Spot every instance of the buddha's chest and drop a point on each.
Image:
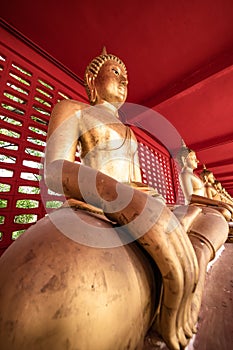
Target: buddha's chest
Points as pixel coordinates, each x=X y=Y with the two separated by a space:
x=106 y=134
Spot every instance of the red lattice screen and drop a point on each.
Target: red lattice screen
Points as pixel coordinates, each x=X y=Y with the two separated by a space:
x=29 y=88
x=27 y=95
x=158 y=168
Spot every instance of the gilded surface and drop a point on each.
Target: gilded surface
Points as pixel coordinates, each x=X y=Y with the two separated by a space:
x=71 y=295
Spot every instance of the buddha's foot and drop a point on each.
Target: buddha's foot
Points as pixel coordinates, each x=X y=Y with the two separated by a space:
x=173 y=337
x=182 y=338
x=188 y=318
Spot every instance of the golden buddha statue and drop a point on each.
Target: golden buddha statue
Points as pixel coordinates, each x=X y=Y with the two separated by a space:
x=79 y=291
x=212 y=192
x=109 y=146
x=208 y=178
x=218 y=187
x=205 y=220
x=190 y=183
x=197 y=188
x=214 y=189
x=227 y=196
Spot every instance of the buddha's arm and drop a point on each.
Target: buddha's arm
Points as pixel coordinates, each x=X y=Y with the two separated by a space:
x=210 y=202
x=63 y=133
x=187 y=186
x=137 y=171
x=210 y=191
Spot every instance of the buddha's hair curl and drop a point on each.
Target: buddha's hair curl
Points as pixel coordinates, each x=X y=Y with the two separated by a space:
x=95 y=65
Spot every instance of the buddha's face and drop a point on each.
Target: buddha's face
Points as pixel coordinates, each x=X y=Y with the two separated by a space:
x=191 y=160
x=111 y=83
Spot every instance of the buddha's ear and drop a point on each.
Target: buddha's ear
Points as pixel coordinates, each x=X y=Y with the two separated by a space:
x=183 y=159
x=90 y=81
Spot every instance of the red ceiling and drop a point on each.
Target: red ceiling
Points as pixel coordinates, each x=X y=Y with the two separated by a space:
x=179 y=55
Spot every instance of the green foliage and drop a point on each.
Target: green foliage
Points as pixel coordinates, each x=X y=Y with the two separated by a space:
x=3 y=203
x=4 y=187
x=17 y=233
x=25 y=218
x=27 y=203
x=29 y=189
x=53 y=204
x=9 y=133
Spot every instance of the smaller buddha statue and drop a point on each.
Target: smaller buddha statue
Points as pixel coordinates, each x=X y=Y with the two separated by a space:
x=189 y=181
x=199 y=190
x=225 y=205
x=218 y=187
x=201 y=217
x=227 y=195
x=208 y=178
x=224 y=197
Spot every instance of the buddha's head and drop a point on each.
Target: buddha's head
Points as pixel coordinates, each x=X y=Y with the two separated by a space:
x=187 y=157
x=207 y=175
x=106 y=80
x=218 y=185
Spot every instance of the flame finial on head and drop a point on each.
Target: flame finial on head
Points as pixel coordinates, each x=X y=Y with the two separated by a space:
x=183 y=143
x=104 y=51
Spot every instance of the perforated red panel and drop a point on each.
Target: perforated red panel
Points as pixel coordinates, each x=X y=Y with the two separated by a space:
x=27 y=95
x=157 y=167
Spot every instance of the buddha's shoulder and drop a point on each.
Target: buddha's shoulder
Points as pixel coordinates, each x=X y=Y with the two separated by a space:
x=185 y=173
x=69 y=105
